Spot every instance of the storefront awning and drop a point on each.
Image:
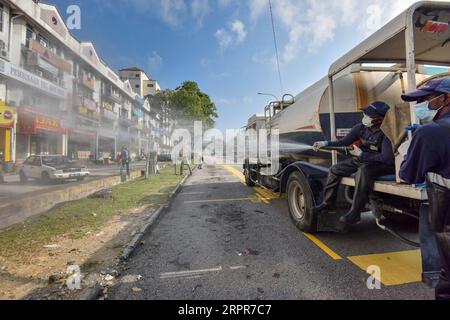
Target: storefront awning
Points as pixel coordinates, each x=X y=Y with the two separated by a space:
x=126 y=122
x=78 y=132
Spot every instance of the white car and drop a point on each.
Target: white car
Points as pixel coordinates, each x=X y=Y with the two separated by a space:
x=51 y=168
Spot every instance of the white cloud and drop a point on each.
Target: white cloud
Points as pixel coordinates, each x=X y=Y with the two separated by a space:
x=174 y=13
x=238 y=28
x=224 y=38
x=257 y=7
x=311 y=24
x=235 y=33
x=200 y=9
x=154 y=61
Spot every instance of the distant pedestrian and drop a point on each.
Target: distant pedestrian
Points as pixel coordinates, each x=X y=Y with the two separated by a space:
x=200 y=164
x=185 y=162
x=125 y=160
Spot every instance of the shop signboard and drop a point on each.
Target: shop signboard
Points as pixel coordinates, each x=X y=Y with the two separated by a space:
x=30 y=122
x=90 y=105
x=7 y=116
x=30 y=79
x=108 y=106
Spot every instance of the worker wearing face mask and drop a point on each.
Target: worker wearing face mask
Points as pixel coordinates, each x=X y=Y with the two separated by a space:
x=372 y=159
x=428 y=160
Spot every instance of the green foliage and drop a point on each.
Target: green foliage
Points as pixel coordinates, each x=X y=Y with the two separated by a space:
x=187 y=102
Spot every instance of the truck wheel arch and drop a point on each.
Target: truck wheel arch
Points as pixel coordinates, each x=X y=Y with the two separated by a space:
x=312 y=173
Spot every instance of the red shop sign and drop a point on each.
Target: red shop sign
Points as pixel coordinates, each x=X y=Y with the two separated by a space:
x=29 y=122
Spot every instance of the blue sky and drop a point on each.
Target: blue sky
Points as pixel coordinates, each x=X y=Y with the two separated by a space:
x=227 y=45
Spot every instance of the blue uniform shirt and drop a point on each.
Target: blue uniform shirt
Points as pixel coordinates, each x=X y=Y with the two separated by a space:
x=361 y=132
x=429 y=152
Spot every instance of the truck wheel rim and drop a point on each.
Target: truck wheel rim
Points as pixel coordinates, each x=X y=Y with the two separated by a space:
x=297 y=199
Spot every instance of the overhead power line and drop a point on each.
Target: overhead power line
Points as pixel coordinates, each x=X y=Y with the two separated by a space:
x=276 y=47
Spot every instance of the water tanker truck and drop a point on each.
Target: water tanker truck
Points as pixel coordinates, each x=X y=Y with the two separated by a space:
x=383 y=67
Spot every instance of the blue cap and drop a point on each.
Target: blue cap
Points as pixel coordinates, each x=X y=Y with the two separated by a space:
x=432 y=87
x=377 y=109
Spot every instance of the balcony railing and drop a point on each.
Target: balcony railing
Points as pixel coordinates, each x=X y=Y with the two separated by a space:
x=50 y=56
x=87 y=82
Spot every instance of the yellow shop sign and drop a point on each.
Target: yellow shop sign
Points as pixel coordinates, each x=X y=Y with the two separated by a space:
x=7 y=116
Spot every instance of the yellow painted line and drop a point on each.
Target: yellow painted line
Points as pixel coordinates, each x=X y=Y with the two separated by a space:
x=263 y=193
x=236 y=172
x=266 y=193
x=323 y=246
x=262 y=199
x=397 y=268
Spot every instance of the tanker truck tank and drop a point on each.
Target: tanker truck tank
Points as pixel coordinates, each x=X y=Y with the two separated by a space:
x=308 y=119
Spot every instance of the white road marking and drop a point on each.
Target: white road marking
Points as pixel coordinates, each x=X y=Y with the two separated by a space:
x=238 y=268
x=180 y=274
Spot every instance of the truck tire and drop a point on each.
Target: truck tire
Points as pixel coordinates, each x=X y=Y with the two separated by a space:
x=248 y=180
x=301 y=203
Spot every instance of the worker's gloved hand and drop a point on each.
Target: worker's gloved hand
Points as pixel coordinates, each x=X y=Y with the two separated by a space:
x=356 y=152
x=319 y=145
x=403 y=149
x=412 y=128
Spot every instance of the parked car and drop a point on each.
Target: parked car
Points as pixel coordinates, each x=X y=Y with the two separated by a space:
x=51 y=168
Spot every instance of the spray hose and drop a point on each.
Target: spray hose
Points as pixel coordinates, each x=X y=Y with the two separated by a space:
x=344 y=150
x=397 y=235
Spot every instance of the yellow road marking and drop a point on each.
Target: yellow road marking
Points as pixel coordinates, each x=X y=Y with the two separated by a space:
x=397 y=268
x=266 y=193
x=262 y=199
x=262 y=193
x=236 y=172
x=323 y=246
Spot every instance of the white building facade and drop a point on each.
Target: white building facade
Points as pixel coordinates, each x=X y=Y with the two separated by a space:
x=57 y=96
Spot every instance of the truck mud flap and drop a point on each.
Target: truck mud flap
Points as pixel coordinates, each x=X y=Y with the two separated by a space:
x=329 y=222
x=431 y=262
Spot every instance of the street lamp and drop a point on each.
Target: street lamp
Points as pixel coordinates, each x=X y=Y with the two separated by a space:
x=268 y=94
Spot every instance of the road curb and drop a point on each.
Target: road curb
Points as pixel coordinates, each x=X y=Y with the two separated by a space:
x=95 y=290
x=134 y=243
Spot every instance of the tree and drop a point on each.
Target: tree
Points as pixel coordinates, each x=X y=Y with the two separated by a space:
x=190 y=103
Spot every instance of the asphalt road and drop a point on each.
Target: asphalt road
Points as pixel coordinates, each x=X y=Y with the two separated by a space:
x=223 y=240
x=13 y=187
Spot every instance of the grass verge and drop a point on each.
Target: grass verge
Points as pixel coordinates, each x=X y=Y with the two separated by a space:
x=79 y=218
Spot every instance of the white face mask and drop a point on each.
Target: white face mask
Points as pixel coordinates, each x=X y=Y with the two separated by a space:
x=424 y=113
x=368 y=121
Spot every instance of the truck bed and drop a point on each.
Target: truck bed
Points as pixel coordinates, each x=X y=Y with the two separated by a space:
x=394 y=188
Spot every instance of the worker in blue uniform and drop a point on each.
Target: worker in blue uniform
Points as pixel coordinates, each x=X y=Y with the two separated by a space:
x=428 y=160
x=372 y=159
